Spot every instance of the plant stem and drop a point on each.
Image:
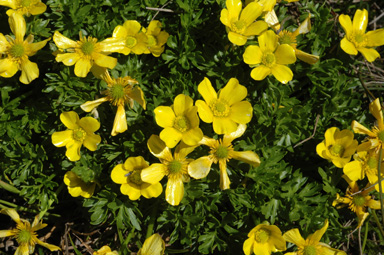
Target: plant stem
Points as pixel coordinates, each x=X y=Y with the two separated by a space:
x=378 y=225
x=152 y=220
x=365 y=236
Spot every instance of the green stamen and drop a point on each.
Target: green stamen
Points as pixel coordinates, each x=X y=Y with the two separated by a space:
x=17 y=50
x=359 y=200
x=337 y=150
x=309 y=250
x=221 y=152
x=87 y=48
x=174 y=167
x=262 y=235
x=130 y=42
x=239 y=26
x=135 y=177
x=79 y=134
x=117 y=91
x=269 y=59
x=24 y=236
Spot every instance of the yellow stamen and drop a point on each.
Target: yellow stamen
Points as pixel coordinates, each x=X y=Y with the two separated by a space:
x=17 y=51
x=262 y=235
x=220 y=108
x=88 y=47
x=337 y=150
x=135 y=177
x=79 y=134
x=181 y=123
x=239 y=26
x=268 y=59
x=130 y=42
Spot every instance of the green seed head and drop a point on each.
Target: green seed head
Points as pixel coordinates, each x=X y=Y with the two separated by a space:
x=175 y=167
x=262 y=235
x=26 y=3
x=337 y=150
x=381 y=136
x=117 y=91
x=24 y=236
x=17 y=50
x=222 y=152
x=358 y=200
x=309 y=250
x=88 y=47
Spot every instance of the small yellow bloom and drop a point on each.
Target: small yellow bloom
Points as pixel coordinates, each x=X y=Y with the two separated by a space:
x=24 y=7
x=240 y=23
x=264 y=239
x=86 y=53
x=225 y=109
x=270 y=58
x=376 y=135
x=222 y=151
x=17 y=50
x=267 y=5
x=153 y=245
x=105 y=250
x=79 y=132
x=156 y=38
x=129 y=176
x=25 y=233
x=356 y=39
x=134 y=38
x=357 y=201
x=311 y=245
x=120 y=91
x=180 y=122
x=77 y=187
x=174 y=167
x=338 y=146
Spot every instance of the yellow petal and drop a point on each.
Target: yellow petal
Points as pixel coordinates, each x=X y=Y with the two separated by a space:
x=12 y=213
x=236 y=38
x=170 y=136
x=61 y=138
x=360 y=21
x=374 y=204
x=268 y=41
x=360 y=129
x=104 y=60
x=5 y=233
x=138 y=95
x=182 y=151
x=253 y=55
x=63 y=42
x=89 y=124
x=369 y=54
x=68 y=59
x=158 y=148
x=285 y=55
x=153 y=190
x=132 y=26
x=346 y=23
x=241 y=112
x=321 y=150
x=134 y=163
x=224 y=125
x=233 y=92
x=200 y=167
x=330 y=136
x=234 y=8
x=354 y=170
x=119 y=32
x=224 y=179
x=304 y=27
x=375 y=38
x=193 y=136
x=51 y=247
x=348 y=46
x=91 y=141
x=82 y=67
x=70 y=119
x=112 y=44
x=132 y=190
x=154 y=245
x=228 y=138
x=9 y=3
x=248 y=246
x=248 y=157
x=181 y=104
x=224 y=17
x=90 y=105
x=8 y=68
x=23 y=249
x=164 y=116
x=154 y=173
x=315 y=237
x=294 y=236
x=282 y=73
x=256 y=28
x=18 y=26
x=73 y=150
x=191 y=115
x=251 y=12
x=307 y=58
x=120 y=122
x=205 y=112
x=38 y=8
x=32 y=48
x=29 y=71
x=174 y=191
x=207 y=91
x=118 y=174
x=376 y=110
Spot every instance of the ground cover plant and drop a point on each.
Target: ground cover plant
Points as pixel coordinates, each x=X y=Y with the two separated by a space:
x=191 y=127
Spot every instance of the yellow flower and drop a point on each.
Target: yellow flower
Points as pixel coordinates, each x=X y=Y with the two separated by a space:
x=376 y=135
x=24 y=7
x=77 y=187
x=311 y=245
x=86 y=53
x=174 y=167
x=356 y=39
x=267 y=5
x=25 y=233
x=121 y=91
x=180 y=122
x=225 y=110
x=153 y=245
x=264 y=239
x=222 y=151
x=156 y=38
x=105 y=250
x=241 y=23
x=357 y=201
x=270 y=58
x=129 y=176
x=135 y=40
x=79 y=132
x=17 y=50
x=338 y=146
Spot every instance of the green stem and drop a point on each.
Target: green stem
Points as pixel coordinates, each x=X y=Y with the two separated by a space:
x=381 y=233
x=152 y=220
x=174 y=251
x=380 y=186
x=9 y=187
x=365 y=236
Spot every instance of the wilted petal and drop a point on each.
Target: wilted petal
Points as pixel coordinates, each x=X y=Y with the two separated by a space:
x=174 y=191
x=248 y=157
x=90 y=105
x=18 y=26
x=29 y=71
x=200 y=167
x=120 y=122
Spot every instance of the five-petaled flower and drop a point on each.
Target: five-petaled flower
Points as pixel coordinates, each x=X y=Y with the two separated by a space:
x=153 y=245
x=78 y=187
x=133 y=37
x=356 y=39
x=129 y=176
x=174 y=167
x=86 y=53
x=225 y=109
x=221 y=152
x=24 y=7
x=264 y=239
x=338 y=146
x=120 y=91
x=240 y=23
x=311 y=245
x=25 y=233
x=17 y=50
x=155 y=38
x=270 y=58
x=180 y=122
x=80 y=132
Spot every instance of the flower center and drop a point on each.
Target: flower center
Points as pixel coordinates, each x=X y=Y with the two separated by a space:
x=262 y=235
x=358 y=200
x=268 y=59
x=24 y=236
x=286 y=37
x=135 y=177
x=220 y=108
x=17 y=50
x=175 y=167
x=309 y=250
x=381 y=136
x=79 y=134
x=372 y=163
x=337 y=150
x=151 y=41
x=222 y=151
x=117 y=91
x=87 y=47
x=181 y=123
x=26 y=3
x=358 y=39
x=239 y=26
x=130 y=42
